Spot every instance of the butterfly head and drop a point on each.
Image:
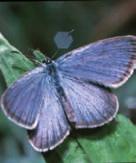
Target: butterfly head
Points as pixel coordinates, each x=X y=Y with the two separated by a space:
x=47 y=60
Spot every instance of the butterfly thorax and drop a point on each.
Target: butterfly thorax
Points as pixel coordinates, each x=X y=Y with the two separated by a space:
x=49 y=66
x=51 y=69
x=53 y=73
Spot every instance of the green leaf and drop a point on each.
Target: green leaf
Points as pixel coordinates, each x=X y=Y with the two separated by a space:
x=114 y=142
x=12 y=62
x=2 y=83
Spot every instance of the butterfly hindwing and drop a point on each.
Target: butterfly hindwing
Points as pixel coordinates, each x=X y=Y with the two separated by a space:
x=108 y=62
x=53 y=126
x=90 y=105
x=22 y=101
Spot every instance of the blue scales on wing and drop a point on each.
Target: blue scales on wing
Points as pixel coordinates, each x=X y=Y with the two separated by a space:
x=109 y=62
x=90 y=105
x=22 y=101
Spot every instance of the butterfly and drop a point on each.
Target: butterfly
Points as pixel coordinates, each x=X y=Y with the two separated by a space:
x=71 y=91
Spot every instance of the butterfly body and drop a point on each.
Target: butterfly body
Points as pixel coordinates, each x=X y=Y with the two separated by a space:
x=70 y=90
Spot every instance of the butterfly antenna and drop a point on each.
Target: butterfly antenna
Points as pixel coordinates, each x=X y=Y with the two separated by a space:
x=36 y=61
x=37 y=56
x=56 y=52
x=71 y=31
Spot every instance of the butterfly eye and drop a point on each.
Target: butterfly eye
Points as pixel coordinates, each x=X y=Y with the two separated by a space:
x=47 y=60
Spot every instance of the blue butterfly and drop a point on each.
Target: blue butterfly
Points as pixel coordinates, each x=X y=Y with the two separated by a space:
x=70 y=91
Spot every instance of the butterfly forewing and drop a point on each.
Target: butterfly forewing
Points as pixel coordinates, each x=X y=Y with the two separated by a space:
x=108 y=62
x=91 y=105
x=22 y=101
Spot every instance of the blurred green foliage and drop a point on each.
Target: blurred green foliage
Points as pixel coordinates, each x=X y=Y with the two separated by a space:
x=33 y=25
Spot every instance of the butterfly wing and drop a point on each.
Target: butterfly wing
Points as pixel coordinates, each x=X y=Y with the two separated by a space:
x=88 y=105
x=33 y=102
x=22 y=101
x=108 y=62
x=52 y=127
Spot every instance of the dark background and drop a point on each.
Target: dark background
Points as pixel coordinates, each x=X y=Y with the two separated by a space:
x=34 y=25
